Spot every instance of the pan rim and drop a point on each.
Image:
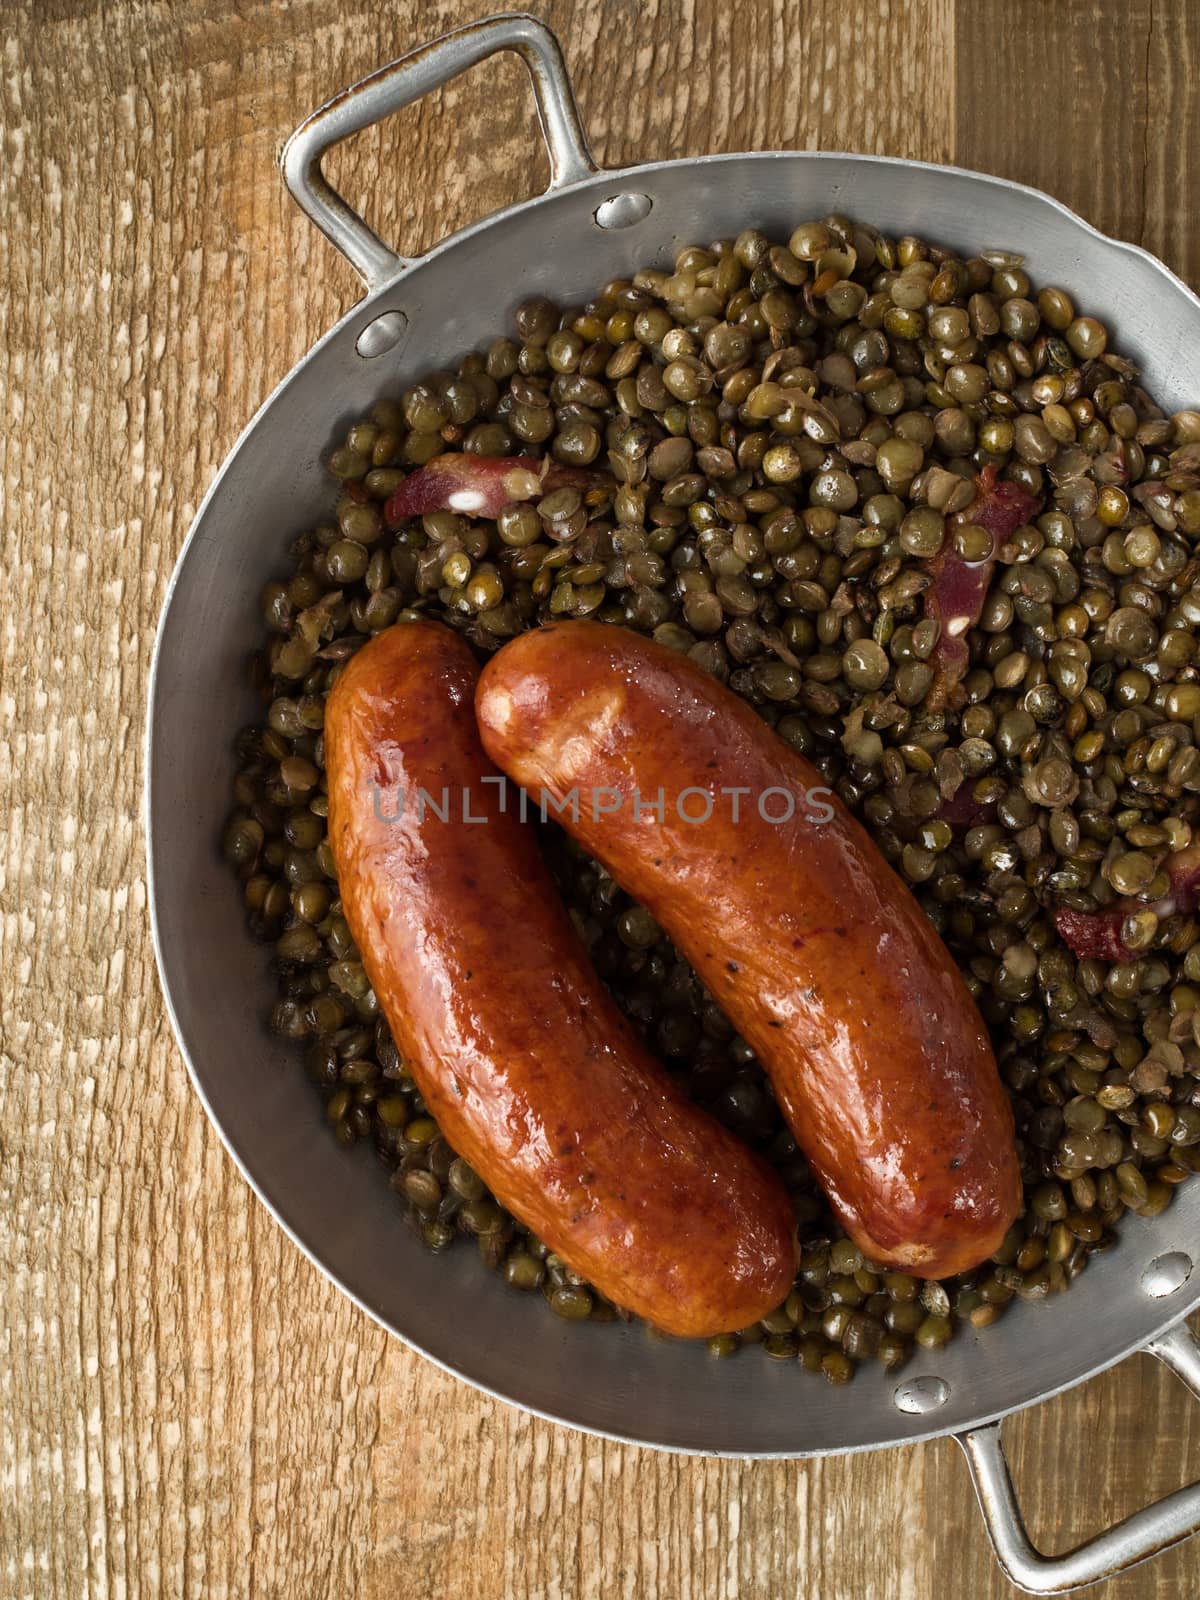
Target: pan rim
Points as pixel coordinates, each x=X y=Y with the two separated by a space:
x=360 y=313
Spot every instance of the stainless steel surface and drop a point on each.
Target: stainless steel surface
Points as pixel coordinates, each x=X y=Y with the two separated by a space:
x=586 y=229
x=409 y=79
x=1147 y=1533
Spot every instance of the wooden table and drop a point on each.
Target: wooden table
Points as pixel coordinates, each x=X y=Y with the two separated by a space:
x=186 y=1406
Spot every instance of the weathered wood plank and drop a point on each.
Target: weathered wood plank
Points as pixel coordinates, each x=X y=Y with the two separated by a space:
x=185 y=1405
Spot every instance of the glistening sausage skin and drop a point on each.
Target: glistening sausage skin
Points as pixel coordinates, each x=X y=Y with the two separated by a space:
x=805 y=937
x=521 y=1055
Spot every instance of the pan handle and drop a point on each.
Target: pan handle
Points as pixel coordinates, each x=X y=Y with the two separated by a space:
x=406 y=80
x=1147 y=1533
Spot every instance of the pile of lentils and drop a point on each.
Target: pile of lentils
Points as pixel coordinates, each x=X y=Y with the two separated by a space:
x=781 y=433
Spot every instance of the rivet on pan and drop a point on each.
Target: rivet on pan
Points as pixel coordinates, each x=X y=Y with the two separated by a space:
x=1167 y=1273
x=622 y=210
x=919 y=1395
x=382 y=335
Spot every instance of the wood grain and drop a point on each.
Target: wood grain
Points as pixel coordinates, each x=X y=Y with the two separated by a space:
x=186 y=1407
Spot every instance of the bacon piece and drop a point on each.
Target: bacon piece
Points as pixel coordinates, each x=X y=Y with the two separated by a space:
x=480 y=486
x=1096 y=935
x=960 y=587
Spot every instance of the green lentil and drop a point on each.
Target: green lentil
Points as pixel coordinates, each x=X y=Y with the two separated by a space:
x=781 y=439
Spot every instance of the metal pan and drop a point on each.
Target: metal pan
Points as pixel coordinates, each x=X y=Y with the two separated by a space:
x=591 y=225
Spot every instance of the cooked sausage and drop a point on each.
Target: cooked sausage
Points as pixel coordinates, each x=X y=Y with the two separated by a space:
x=804 y=936
x=520 y=1053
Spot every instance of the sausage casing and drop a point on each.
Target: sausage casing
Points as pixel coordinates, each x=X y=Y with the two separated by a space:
x=804 y=936
x=533 y=1074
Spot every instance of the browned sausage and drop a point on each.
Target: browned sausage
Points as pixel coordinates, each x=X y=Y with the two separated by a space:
x=810 y=943
x=531 y=1071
